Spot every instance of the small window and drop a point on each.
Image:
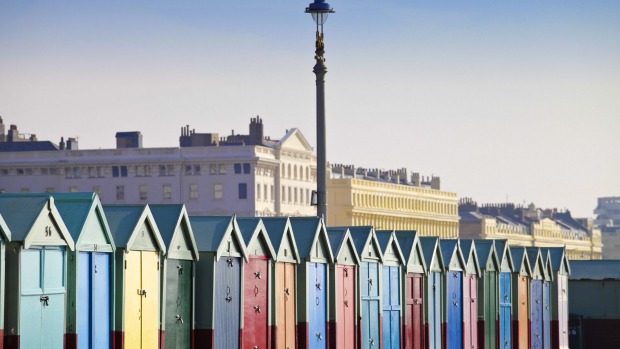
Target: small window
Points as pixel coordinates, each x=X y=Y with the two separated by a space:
x=139 y=171
x=4 y=172
x=73 y=189
x=246 y=168
x=213 y=169
x=20 y=171
x=170 y=170
x=25 y=190
x=167 y=192
x=120 y=192
x=197 y=170
x=188 y=170
x=237 y=168
x=243 y=190
x=221 y=169
x=218 y=191
x=147 y=170
x=123 y=171
x=258 y=191
x=144 y=192
x=68 y=172
x=115 y=171
x=162 y=170
x=92 y=171
x=28 y=172
x=193 y=191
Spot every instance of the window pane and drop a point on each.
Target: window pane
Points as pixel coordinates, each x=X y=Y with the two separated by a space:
x=115 y=171
x=218 y=191
x=120 y=192
x=144 y=192
x=243 y=191
x=221 y=168
x=167 y=192
x=123 y=171
x=237 y=168
x=213 y=169
x=246 y=168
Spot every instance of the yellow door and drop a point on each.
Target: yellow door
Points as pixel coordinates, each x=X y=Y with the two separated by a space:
x=150 y=301
x=133 y=300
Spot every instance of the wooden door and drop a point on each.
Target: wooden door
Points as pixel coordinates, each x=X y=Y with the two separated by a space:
x=454 y=292
x=227 y=303
x=285 y=306
x=505 y=310
x=317 y=305
x=370 y=305
x=256 y=306
x=536 y=321
x=563 y=311
x=42 y=301
x=345 y=302
x=470 y=312
x=142 y=300
x=521 y=338
x=414 y=312
x=391 y=307
x=94 y=300
x=546 y=314
x=488 y=296
x=433 y=338
x=178 y=303
x=150 y=301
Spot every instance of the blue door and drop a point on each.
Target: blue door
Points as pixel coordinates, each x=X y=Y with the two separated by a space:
x=434 y=310
x=370 y=305
x=42 y=298
x=536 y=314
x=227 y=303
x=454 y=323
x=317 y=305
x=93 y=300
x=546 y=315
x=391 y=307
x=505 y=309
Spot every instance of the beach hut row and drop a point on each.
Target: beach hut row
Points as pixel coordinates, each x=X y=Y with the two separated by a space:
x=79 y=274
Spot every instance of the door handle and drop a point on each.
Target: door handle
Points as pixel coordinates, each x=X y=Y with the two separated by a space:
x=318 y=335
x=180 y=269
x=45 y=300
x=179 y=318
x=257 y=308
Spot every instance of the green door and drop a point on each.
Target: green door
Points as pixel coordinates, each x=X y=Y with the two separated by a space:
x=42 y=298
x=178 y=303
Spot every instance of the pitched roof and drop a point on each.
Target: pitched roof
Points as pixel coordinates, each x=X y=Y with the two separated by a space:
x=5 y=232
x=168 y=217
x=27 y=146
x=210 y=231
x=250 y=228
x=468 y=248
x=75 y=209
x=520 y=259
x=21 y=212
x=337 y=240
x=449 y=249
x=307 y=231
x=123 y=221
x=558 y=256
x=387 y=238
x=407 y=239
x=430 y=248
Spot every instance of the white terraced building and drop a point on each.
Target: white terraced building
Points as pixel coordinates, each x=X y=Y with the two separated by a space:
x=247 y=175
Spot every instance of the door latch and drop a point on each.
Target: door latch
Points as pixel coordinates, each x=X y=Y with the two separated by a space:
x=180 y=269
x=142 y=293
x=257 y=308
x=45 y=300
x=318 y=335
x=179 y=318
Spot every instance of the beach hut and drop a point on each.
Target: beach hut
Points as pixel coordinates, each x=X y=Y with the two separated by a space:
x=488 y=297
x=470 y=293
x=504 y=325
x=36 y=269
x=547 y=280
x=284 y=283
x=256 y=330
x=5 y=237
x=177 y=287
x=536 y=297
x=367 y=247
x=89 y=271
x=520 y=298
x=393 y=260
x=312 y=281
x=434 y=288
x=559 y=297
x=413 y=295
x=139 y=248
x=219 y=273
x=343 y=293
x=454 y=268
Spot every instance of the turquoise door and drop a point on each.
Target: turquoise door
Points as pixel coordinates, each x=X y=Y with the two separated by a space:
x=42 y=310
x=391 y=307
x=370 y=305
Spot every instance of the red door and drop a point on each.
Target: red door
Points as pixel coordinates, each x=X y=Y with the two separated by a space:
x=255 y=323
x=414 y=315
x=345 y=302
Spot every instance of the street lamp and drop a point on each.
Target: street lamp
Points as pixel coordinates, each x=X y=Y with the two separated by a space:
x=319 y=10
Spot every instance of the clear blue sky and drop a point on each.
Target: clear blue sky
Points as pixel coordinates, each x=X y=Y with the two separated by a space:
x=516 y=100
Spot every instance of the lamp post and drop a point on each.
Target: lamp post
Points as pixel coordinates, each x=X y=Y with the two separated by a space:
x=319 y=10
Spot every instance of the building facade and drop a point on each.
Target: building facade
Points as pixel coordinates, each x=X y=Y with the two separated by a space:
x=530 y=226
x=390 y=200
x=247 y=175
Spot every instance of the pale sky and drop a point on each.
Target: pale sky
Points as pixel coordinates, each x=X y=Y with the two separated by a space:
x=514 y=100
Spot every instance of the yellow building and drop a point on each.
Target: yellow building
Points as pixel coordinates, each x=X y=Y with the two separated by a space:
x=390 y=200
x=530 y=226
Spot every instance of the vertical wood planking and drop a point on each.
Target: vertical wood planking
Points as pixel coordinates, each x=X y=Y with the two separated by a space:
x=101 y=298
x=227 y=303
x=454 y=306
x=150 y=300
x=505 y=310
x=255 y=309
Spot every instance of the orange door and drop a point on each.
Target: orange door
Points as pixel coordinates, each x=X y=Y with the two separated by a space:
x=285 y=306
